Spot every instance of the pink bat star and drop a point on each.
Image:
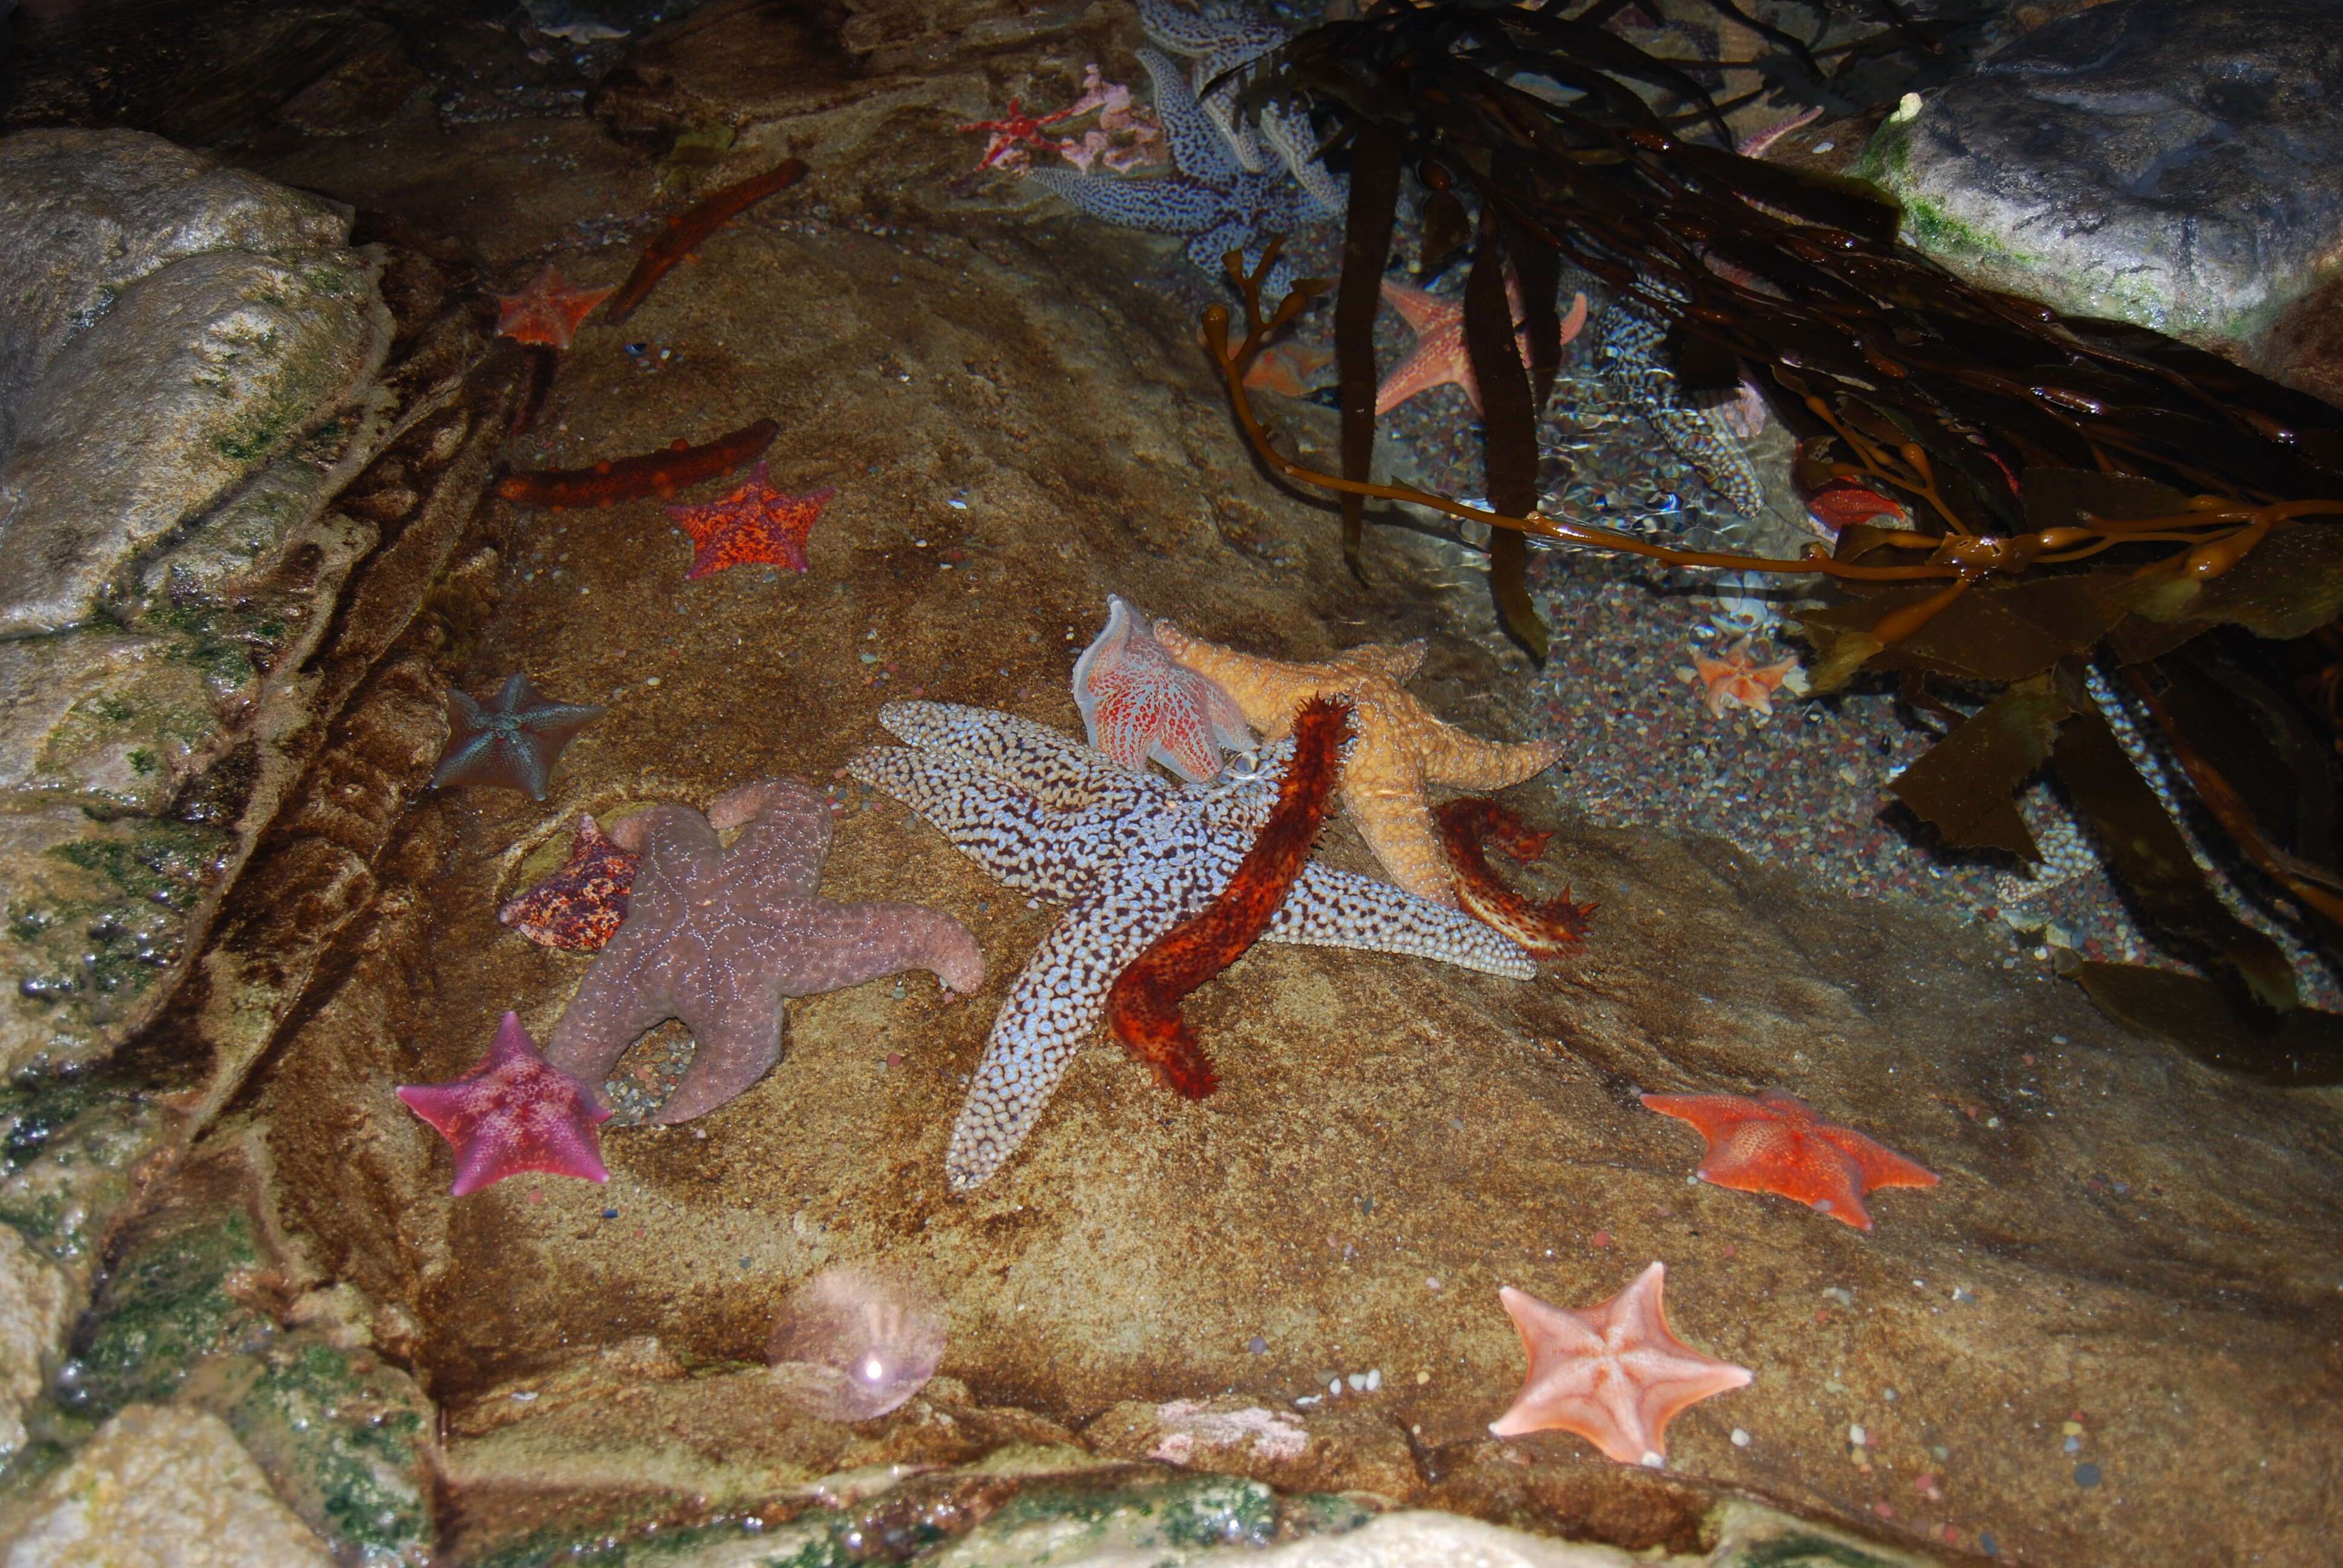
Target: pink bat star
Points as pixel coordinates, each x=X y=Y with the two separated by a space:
x=515 y=1111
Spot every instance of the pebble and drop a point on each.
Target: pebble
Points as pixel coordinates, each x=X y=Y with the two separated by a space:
x=1740 y=1438
x=1257 y=1345
x=2087 y=1474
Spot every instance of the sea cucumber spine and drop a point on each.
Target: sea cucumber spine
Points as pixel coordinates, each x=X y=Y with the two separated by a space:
x=660 y=474
x=691 y=225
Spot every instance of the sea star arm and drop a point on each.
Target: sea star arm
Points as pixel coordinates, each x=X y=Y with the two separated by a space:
x=1465 y=762
x=1331 y=908
x=786 y=836
x=634 y=983
x=1051 y=1007
x=997 y=824
x=1056 y=771
x=1197 y=146
x=1165 y=206
x=849 y=943
x=737 y=1025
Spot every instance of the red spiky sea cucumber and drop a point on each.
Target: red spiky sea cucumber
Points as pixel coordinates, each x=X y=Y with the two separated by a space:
x=1548 y=929
x=690 y=226
x=660 y=474
x=1144 y=1007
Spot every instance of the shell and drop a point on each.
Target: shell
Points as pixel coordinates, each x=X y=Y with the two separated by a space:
x=854 y=1343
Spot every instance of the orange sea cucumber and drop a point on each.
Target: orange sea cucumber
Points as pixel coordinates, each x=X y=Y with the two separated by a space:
x=660 y=474
x=1548 y=929
x=1144 y=1007
x=690 y=226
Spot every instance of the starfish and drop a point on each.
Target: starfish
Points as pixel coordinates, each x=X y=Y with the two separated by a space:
x=514 y=1111
x=1223 y=42
x=717 y=937
x=578 y=907
x=1843 y=503
x=1736 y=680
x=1440 y=357
x=1614 y=1374
x=1218 y=205
x=1138 y=703
x=545 y=314
x=1401 y=749
x=754 y=523
x=1132 y=856
x=1774 y=1144
x=512 y=741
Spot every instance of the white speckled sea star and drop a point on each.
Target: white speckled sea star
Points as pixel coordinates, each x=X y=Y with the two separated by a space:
x=1132 y=855
x=1224 y=40
x=1207 y=196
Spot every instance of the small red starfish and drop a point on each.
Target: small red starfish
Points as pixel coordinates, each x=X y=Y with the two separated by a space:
x=514 y=1111
x=1774 y=1144
x=547 y=313
x=754 y=523
x=1019 y=129
x=1440 y=357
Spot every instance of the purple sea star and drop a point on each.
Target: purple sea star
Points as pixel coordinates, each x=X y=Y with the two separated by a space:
x=578 y=907
x=513 y=1112
x=717 y=937
x=754 y=523
x=1140 y=703
x=512 y=740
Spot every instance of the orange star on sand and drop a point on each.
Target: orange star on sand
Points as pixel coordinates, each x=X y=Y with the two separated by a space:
x=1440 y=357
x=1737 y=681
x=754 y=523
x=545 y=314
x=1614 y=1374
x=1774 y=1144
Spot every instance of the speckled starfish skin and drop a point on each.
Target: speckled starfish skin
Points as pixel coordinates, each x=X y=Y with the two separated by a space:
x=717 y=936
x=512 y=740
x=1402 y=748
x=1208 y=197
x=1131 y=855
x=1221 y=39
x=1137 y=703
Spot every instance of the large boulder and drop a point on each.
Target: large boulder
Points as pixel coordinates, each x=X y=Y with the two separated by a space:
x=2164 y=162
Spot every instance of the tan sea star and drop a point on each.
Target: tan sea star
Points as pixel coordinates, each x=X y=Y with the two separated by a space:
x=1400 y=750
x=1736 y=680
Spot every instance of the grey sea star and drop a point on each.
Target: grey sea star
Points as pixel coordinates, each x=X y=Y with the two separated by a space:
x=1224 y=40
x=717 y=936
x=1132 y=855
x=513 y=739
x=1218 y=204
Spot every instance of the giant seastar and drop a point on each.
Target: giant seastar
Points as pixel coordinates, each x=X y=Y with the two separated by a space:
x=1208 y=196
x=1774 y=1144
x=1614 y=1374
x=717 y=936
x=1402 y=748
x=754 y=523
x=513 y=1112
x=512 y=740
x=1137 y=703
x=547 y=313
x=1223 y=41
x=1132 y=855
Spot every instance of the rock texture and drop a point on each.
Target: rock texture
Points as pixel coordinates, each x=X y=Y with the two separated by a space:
x=2166 y=161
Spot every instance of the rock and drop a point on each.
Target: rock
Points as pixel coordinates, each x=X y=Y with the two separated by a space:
x=2164 y=162
x=33 y=1318
x=162 y=1488
x=1325 y=1450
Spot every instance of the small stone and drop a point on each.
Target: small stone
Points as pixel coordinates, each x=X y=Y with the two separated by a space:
x=2087 y=1474
x=1740 y=1438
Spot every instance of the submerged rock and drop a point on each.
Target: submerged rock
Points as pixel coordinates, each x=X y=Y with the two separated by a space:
x=2166 y=161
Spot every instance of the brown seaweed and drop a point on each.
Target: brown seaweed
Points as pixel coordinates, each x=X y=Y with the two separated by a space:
x=687 y=228
x=660 y=473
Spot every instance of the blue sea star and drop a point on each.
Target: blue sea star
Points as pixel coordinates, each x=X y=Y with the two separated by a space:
x=512 y=740
x=1132 y=855
x=1219 y=204
x=1223 y=40
x=717 y=936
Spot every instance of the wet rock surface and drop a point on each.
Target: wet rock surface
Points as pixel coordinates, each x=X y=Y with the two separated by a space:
x=1171 y=1328
x=2159 y=161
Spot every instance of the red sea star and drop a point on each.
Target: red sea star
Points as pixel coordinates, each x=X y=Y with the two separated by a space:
x=1440 y=357
x=515 y=1111
x=1614 y=1374
x=547 y=313
x=1136 y=702
x=754 y=523
x=578 y=907
x=1774 y=1144
x=1737 y=681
